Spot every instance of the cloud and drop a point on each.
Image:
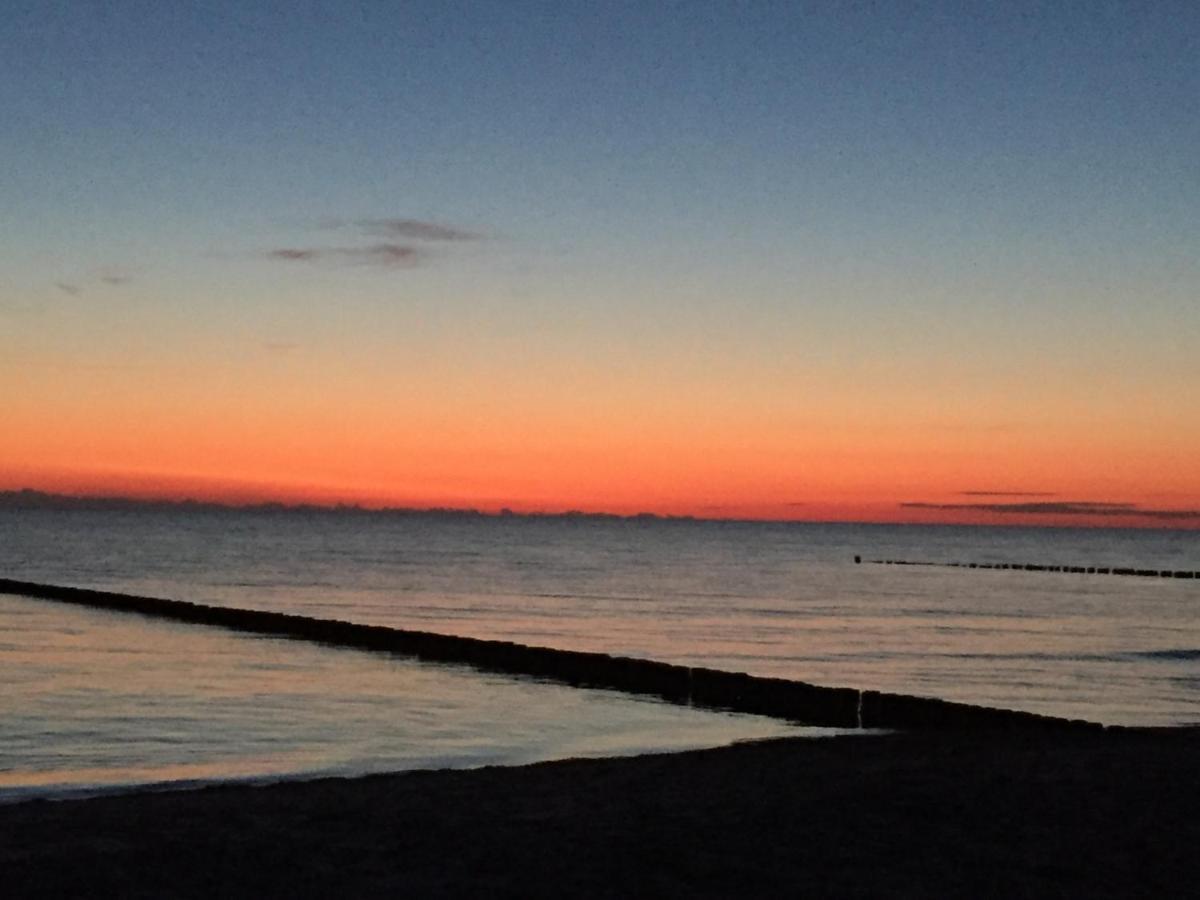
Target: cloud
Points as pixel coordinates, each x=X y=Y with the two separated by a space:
x=111 y=277
x=387 y=255
x=1062 y=508
x=400 y=245
x=290 y=254
x=417 y=230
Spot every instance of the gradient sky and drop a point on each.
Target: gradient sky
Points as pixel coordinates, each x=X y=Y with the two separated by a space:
x=785 y=260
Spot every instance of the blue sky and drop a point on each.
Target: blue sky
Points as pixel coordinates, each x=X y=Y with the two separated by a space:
x=621 y=124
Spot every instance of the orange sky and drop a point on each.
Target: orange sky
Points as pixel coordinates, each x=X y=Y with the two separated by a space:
x=714 y=450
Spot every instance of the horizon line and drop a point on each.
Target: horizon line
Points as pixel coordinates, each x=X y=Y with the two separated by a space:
x=35 y=498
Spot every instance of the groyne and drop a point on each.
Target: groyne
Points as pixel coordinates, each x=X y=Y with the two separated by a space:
x=780 y=698
x=1035 y=567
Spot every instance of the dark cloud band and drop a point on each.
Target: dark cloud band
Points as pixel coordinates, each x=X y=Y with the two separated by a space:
x=1061 y=508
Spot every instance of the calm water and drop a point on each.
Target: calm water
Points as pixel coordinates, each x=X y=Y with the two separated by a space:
x=96 y=700
x=770 y=599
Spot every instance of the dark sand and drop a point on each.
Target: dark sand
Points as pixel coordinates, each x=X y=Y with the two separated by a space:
x=933 y=814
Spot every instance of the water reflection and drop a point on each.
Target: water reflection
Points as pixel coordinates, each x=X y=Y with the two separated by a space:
x=770 y=599
x=95 y=698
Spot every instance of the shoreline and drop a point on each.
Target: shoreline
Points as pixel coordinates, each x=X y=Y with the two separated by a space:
x=65 y=792
x=911 y=814
x=72 y=793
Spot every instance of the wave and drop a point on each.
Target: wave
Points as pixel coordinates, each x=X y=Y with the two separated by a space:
x=1180 y=655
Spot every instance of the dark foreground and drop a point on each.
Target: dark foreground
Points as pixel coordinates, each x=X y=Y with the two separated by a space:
x=1109 y=814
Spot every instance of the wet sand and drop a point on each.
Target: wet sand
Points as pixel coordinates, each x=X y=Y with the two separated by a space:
x=930 y=814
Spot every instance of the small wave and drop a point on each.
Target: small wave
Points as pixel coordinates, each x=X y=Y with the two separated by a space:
x=1181 y=655
x=1033 y=656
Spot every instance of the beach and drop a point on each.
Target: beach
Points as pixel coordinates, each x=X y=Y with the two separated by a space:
x=1081 y=813
x=992 y=794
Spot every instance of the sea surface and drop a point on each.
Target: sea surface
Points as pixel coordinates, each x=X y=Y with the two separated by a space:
x=96 y=698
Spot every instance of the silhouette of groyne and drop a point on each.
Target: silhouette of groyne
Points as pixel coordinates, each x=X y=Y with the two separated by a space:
x=1033 y=567
x=794 y=701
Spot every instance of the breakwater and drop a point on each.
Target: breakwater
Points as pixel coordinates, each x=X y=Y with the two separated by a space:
x=1034 y=567
x=696 y=686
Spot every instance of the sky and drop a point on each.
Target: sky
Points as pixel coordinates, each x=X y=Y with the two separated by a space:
x=893 y=262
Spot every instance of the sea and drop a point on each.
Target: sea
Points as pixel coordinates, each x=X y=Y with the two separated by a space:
x=98 y=701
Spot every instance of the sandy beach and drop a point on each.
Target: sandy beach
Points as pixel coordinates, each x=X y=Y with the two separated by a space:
x=1082 y=814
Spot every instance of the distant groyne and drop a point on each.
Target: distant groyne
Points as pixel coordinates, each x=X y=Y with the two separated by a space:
x=780 y=698
x=1035 y=567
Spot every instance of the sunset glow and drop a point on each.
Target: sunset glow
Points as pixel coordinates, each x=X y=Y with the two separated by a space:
x=713 y=271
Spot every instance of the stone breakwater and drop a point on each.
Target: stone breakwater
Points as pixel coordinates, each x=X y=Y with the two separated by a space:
x=794 y=701
x=1033 y=567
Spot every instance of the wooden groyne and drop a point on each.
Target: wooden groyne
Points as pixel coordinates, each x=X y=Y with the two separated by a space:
x=794 y=701
x=1034 y=567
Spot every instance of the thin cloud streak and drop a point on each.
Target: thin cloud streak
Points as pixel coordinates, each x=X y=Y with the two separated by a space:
x=395 y=251
x=111 y=277
x=1061 y=508
x=417 y=230
x=386 y=255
